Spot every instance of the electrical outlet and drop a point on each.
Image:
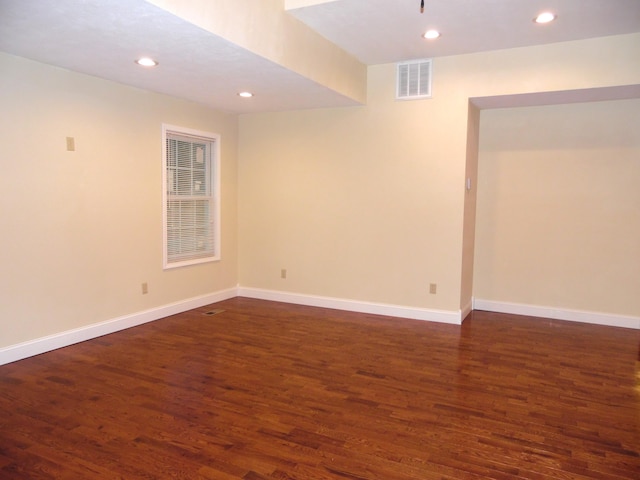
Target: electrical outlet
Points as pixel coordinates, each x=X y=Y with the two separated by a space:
x=283 y=273
x=71 y=144
x=433 y=288
x=145 y=288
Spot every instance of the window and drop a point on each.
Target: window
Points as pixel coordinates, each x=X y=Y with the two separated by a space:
x=191 y=199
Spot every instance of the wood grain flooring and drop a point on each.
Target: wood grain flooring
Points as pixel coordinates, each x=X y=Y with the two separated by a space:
x=265 y=390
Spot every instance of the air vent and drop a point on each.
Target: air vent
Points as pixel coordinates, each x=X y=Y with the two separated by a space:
x=414 y=80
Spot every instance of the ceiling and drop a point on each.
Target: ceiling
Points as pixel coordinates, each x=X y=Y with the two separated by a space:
x=102 y=38
x=387 y=31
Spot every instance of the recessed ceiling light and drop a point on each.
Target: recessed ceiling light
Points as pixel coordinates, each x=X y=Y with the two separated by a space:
x=146 y=62
x=246 y=94
x=545 y=17
x=431 y=34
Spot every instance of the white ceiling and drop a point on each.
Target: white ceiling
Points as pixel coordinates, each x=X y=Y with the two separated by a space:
x=102 y=38
x=387 y=31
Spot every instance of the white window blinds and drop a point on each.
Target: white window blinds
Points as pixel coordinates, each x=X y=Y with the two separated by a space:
x=190 y=202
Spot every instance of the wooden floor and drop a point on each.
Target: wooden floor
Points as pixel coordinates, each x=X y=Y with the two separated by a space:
x=266 y=390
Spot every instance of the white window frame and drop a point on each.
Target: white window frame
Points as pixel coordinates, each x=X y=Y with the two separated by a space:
x=213 y=196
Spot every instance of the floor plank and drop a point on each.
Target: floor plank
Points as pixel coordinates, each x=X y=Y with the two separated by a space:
x=265 y=390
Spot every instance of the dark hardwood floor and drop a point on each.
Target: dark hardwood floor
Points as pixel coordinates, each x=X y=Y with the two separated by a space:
x=266 y=390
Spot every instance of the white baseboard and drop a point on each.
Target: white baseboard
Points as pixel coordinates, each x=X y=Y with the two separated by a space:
x=466 y=310
x=37 y=346
x=443 y=316
x=607 y=319
x=19 y=351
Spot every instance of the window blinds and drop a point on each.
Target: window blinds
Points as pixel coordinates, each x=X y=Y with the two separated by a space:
x=189 y=199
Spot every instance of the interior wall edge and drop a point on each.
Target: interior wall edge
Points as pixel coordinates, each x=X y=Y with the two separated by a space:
x=466 y=310
x=555 y=313
x=558 y=97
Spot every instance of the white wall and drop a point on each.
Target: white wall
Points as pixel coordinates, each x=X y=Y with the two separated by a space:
x=82 y=230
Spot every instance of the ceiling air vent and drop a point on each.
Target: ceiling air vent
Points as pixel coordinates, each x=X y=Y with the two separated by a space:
x=414 y=80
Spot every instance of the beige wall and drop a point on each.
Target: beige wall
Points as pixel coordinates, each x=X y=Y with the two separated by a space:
x=82 y=230
x=558 y=220
x=356 y=203
x=364 y=203
x=367 y=203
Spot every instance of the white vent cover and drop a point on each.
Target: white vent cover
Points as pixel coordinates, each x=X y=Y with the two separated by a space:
x=414 y=80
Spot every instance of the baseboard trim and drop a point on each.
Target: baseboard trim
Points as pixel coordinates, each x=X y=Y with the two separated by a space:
x=30 y=348
x=37 y=346
x=466 y=310
x=598 y=318
x=442 y=316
